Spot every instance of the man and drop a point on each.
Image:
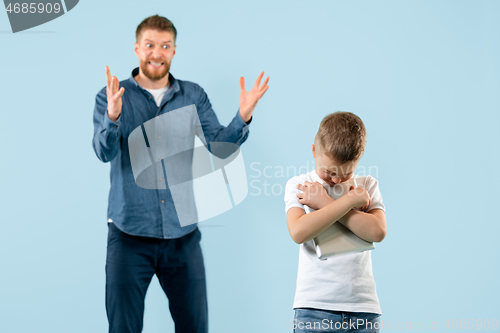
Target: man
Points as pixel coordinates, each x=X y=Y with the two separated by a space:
x=144 y=235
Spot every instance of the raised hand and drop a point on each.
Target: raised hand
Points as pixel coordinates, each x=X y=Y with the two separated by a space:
x=114 y=96
x=249 y=99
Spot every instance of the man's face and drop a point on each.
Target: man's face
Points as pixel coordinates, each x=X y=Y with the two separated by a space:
x=330 y=171
x=155 y=51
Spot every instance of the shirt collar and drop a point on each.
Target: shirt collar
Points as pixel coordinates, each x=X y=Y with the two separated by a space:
x=316 y=178
x=173 y=82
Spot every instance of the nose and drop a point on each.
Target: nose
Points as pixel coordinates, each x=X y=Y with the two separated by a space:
x=155 y=53
x=335 y=179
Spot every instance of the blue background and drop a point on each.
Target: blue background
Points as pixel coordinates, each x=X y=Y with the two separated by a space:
x=423 y=76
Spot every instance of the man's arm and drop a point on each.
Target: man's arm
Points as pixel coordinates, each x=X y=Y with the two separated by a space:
x=107 y=119
x=371 y=226
x=304 y=227
x=106 y=132
x=236 y=132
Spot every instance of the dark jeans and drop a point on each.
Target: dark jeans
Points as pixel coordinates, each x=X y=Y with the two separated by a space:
x=131 y=262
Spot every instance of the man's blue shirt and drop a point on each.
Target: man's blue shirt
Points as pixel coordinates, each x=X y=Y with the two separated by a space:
x=133 y=209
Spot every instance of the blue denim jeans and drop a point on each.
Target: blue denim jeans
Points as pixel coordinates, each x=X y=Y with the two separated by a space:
x=131 y=262
x=316 y=320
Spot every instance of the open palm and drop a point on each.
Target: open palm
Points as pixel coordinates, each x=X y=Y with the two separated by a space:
x=249 y=99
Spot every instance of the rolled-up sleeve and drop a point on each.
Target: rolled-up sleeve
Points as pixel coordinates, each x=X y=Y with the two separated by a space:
x=106 y=132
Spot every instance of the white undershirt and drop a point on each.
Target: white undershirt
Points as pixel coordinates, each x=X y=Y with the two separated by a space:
x=158 y=93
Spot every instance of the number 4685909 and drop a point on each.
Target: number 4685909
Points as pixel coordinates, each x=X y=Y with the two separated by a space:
x=471 y=324
x=33 y=7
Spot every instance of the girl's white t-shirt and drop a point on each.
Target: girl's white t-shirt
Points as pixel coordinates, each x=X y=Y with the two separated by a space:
x=340 y=283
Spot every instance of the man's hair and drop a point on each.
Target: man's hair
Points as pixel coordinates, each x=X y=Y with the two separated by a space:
x=156 y=22
x=341 y=137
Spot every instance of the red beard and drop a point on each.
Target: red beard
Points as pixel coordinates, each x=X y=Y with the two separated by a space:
x=152 y=73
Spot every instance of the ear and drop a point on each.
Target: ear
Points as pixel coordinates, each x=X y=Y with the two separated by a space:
x=136 y=48
x=314 y=151
x=175 y=46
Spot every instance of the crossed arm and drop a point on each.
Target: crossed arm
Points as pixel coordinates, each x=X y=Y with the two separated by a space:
x=370 y=226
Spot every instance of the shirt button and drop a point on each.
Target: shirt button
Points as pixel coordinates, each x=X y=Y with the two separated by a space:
x=149 y=97
x=158 y=137
x=159 y=158
x=116 y=126
x=162 y=201
x=161 y=178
